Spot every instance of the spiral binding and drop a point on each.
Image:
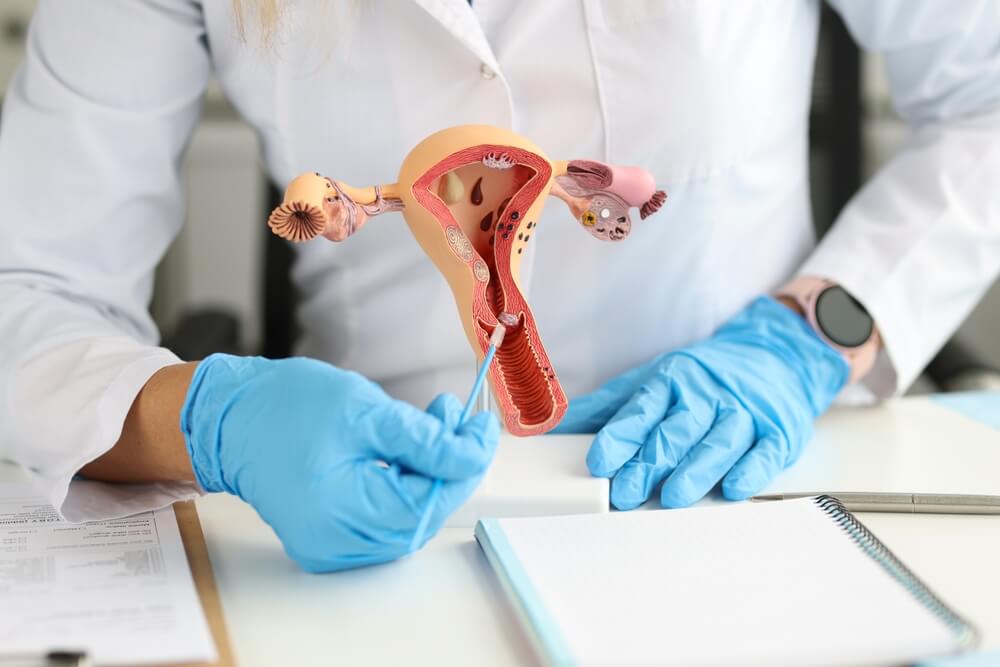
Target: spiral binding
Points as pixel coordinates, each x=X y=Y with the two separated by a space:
x=965 y=633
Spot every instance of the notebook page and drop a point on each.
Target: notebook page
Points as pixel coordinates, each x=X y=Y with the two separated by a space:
x=750 y=584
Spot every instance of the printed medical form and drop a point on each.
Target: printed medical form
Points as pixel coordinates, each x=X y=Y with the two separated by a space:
x=119 y=589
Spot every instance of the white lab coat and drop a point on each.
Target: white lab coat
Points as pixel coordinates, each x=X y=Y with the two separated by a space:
x=711 y=96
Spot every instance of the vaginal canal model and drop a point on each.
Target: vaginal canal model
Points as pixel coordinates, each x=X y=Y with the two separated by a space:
x=472 y=196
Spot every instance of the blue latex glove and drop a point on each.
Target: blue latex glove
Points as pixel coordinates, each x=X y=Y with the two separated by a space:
x=738 y=407
x=339 y=470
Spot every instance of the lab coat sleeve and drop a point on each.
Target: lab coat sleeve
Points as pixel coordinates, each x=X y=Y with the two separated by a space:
x=920 y=243
x=94 y=125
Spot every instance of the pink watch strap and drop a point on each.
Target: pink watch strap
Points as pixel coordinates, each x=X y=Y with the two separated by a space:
x=805 y=291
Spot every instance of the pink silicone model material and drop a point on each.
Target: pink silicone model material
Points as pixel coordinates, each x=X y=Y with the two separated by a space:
x=472 y=196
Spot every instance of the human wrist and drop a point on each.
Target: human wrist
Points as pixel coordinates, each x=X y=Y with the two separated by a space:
x=785 y=343
x=791 y=304
x=150 y=447
x=214 y=384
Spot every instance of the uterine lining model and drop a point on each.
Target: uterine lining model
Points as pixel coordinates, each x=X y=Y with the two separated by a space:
x=472 y=196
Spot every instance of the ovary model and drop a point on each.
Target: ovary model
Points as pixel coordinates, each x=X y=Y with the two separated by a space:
x=472 y=196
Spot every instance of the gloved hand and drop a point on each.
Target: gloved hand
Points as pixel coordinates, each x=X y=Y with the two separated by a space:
x=737 y=406
x=340 y=470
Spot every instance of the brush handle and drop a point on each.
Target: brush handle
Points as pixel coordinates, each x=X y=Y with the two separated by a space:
x=418 y=534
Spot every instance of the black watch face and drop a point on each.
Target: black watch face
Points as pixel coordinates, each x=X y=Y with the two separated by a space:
x=842 y=319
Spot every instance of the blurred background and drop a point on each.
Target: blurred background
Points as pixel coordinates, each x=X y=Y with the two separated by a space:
x=221 y=288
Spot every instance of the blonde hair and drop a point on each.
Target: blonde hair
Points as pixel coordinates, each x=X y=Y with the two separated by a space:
x=266 y=14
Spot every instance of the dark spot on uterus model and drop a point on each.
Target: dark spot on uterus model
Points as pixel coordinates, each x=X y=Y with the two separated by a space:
x=477 y=192
x=514 y=215
x=486 y=222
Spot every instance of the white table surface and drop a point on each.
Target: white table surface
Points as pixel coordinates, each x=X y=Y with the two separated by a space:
x=443 y=606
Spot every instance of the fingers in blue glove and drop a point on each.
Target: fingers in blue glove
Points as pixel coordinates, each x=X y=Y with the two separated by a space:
x=756 y=468
x=450 y=496
x=706 y=463
x=630 y=427
x=590 y=412
x=389 y=491
x=431 y=443
x=388 y=505
x=663 y=450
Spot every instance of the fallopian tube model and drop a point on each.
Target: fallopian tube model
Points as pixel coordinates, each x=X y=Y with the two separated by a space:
x=472 y=196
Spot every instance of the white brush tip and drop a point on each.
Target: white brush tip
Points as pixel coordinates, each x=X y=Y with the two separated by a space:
x=496 y=338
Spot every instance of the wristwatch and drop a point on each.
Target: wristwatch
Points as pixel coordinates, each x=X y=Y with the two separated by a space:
x=838 y=319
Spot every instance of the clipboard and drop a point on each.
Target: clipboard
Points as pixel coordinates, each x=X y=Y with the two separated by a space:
x=196 y=552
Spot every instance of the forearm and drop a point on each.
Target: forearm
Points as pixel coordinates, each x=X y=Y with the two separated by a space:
x=919 y=245
x=70 y=372
x=151 y=447
x=78 y=342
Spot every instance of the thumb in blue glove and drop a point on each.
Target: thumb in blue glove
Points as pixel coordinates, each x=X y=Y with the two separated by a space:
x=339 y=470
x=737 y=407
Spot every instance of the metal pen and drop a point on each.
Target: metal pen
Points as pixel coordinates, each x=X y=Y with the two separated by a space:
x=911 y=503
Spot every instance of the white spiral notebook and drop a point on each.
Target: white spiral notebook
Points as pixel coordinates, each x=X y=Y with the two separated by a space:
x=798 y=582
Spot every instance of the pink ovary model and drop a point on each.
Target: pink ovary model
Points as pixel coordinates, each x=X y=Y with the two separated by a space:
x=601 y=195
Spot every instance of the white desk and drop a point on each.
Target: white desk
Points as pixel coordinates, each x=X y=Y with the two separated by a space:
x=442 y=606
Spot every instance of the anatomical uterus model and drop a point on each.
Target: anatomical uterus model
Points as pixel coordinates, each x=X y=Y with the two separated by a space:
x=472 y=196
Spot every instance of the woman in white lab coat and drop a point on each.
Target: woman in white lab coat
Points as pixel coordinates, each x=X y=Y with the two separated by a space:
x=668 y=342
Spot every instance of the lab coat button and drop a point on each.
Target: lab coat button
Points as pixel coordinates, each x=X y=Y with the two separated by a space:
x=487 y=71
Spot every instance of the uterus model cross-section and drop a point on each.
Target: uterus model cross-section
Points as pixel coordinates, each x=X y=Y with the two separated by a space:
x=472 y=196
